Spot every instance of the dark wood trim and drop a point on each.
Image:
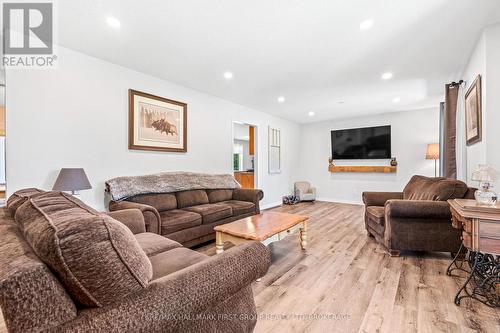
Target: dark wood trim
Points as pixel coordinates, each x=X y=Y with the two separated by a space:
x=478 y=137
x=131 y=145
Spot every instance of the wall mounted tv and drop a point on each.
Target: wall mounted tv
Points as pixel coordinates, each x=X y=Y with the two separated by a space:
x=361 y=143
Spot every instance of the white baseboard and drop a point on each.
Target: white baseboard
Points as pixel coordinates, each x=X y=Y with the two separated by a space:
x=352 y=202
x=271 y=205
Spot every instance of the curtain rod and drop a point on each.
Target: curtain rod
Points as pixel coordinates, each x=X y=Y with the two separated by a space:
x=453 y=83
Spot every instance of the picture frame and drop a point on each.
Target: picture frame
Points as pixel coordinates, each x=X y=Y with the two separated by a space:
x=156 y=123
x=473 y=113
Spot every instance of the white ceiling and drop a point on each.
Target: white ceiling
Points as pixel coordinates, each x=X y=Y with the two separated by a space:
x=311 y=52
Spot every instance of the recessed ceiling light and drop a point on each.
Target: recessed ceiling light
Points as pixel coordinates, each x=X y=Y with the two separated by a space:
x=281 y=99
x=366 y=24
x=228 y=75
x=396 y=100
x=113 y=22
x=311 y=113
x=387 y=76
x=340 y=102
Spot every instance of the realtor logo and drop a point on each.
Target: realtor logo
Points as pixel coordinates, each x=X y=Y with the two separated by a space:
x=28 y=29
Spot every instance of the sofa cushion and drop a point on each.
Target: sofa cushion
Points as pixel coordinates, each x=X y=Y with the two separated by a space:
x=376 y=213
x=191 y=198
x=20 y=197
x=160 y=201
x=240 y=207
x=436 y=189
x=219 y=195
x=174 y=260
x=178 y=219
x=32 y=298
x=96 y=257
x=211 y=212
x=152 y=244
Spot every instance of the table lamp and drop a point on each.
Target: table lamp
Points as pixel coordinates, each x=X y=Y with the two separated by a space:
x=72 y=179
x=485 y=175
x=433 y=154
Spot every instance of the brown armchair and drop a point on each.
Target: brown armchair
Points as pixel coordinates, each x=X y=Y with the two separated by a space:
x=417 y=219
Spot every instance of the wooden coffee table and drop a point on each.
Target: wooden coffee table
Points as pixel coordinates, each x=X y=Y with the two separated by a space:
x=259 y=228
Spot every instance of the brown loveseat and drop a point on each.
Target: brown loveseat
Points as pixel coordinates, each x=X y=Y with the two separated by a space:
x=65 y=267
x=417 y=219
x=189 y=217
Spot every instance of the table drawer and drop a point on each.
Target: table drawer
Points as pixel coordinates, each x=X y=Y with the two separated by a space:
x=292 y=230
x=489 y=229
x=489 y=245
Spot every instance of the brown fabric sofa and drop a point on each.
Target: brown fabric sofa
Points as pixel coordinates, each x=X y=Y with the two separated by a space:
x=417 y=219
x=189 y=217
x=65 y=267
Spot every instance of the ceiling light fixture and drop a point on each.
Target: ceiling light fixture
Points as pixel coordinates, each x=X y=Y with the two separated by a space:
x=396 y=100
x=311 y=113
x=113 y=22
x=387 y=76
x=281 y=99
x=340 y=102
x=366 y=24
x=228 y=75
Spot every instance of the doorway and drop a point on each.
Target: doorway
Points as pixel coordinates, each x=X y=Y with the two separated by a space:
x=244 y=158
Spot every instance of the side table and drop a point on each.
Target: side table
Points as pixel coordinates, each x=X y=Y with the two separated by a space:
x=481 y=237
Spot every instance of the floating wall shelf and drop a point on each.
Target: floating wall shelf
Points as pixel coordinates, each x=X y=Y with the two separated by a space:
x=363 y=168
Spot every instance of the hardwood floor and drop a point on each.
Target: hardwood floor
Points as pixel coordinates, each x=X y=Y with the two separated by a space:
x=345 y=282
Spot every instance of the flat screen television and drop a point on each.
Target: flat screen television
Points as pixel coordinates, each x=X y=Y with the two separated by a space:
x=361 y=143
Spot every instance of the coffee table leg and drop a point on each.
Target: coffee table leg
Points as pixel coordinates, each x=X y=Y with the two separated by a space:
x=219 y=243
x=303 y=235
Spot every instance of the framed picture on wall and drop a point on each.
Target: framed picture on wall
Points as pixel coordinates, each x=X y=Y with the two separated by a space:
x=473 y=118
x=156 y=123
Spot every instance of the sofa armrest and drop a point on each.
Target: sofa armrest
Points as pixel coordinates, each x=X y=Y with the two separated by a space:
x=380 y=198
x=418 y=209
x=151 y=216
x=132 y=218
x=170 y=302
x=248 y=194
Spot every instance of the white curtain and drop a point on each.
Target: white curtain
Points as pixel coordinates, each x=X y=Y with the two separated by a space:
x=460 y=144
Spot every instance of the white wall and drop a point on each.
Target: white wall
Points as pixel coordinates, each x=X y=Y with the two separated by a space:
x=76 y=116
x=411 y=132
x=476 y=154
x=485 y=61
x=492 y=35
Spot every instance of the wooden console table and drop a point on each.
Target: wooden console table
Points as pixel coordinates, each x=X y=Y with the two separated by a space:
x=481 y=237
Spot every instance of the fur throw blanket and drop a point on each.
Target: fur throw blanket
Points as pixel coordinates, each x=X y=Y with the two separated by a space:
x=121 y=188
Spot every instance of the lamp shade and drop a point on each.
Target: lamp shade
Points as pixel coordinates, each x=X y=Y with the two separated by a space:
x=432 y=151
x=72 y=179
x=485 y=173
